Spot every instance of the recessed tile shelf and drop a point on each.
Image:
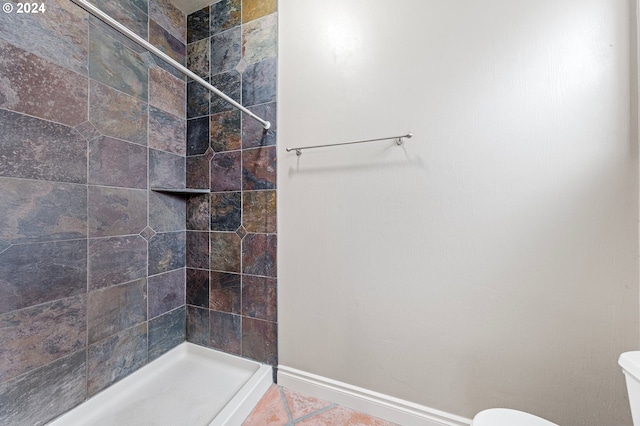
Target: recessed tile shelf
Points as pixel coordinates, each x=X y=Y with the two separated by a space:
x=183 y=191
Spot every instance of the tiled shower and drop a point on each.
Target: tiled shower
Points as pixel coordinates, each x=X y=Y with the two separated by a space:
x=99 y=274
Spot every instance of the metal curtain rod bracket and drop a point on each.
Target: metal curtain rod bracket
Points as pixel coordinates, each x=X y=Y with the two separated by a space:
x=399 y=141
x=159 y=53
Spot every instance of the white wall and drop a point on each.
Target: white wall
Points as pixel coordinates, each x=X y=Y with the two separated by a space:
x=493 y=259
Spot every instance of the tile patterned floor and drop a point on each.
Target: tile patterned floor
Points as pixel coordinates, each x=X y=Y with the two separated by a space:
x=283 y=407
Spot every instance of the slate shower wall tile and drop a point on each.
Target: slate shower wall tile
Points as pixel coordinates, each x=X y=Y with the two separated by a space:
x=197 y=293
x=166 y=170
x=116 y=357
x=36 y=149
x=44 y=393
x=225 y=252
x=166 y=332
x=225 y=133
x=116 y=211
x=35 y=336
x=166 y=292
x=198 y=99
x=167 y=43
x=166 y=131
x=116 y=114
x=198 y=57
x=197 y=136
x=116 y=260
x=225 y=171
x=226 y=50
x=197 y=255
x=226 y=332
x=226 y=211
x=197 y=174
x=225 y=14
x=131 y=14
x=259 y=82
x=259 y=168
x=259 y=211
x=254 y=9
x=117 y=66
x=229 y=83
x=198 y=213
x=198 y=325
x=59 y=35
x=198 y=25
x=48 y=93
x=114 y=309
x=167 y=252
x=167 y=212
x=260 y=340
x=259 y=254
x=253 y=134
x=260 y=39
x=169 y=17
x=259 y=298
x=37 y=273
x=167 y=92
x=225 y=294
x=114 y=162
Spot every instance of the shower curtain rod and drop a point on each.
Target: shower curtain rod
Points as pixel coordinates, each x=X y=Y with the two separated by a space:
x=151 y=48
x=399 y=141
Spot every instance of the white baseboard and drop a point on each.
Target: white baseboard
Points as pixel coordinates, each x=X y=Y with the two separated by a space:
x=386 y=407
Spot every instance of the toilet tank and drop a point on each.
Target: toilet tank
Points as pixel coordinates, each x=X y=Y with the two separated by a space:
x=630 y=363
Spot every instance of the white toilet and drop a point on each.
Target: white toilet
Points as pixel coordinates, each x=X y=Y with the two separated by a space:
x=630 y=363
x=508 y=417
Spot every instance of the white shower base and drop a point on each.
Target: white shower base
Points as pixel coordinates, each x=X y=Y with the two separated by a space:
x=189 y=385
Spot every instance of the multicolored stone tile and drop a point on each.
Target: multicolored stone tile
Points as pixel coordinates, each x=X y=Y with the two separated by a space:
x=259 y=82
x=260 y=341
x=229 y=84
x=226 y=332
x=117 y=66
x=116 y=357
x=166 y=131
x=259 y=168
x=116 y=211
x=226 y=292
x=167 y=92
x=198 y=25
x=131 y=14
x=302 y=405
x=37 y=273
x=197 y=136
x=198 y=287
x=198 y=325
x=166 y=170
x=36 y=149
x=259 y=211
x=47 y=93
x=198 y=213
x=254 y=134
x=225 y=131
x=226 y=50
x=166 y=212
x=226 y=171
x=197 y=100
x=197 y=249
x=166 y=292
x=225 y=252
x=340 y=415
x=37 y=211
x=114 y=162
x=226 y=211
x=116 y=114
x=259 y=254
x=225 y=14
x=114 y=309
x=198 y=57
x=260 y=298
x=197 y=174
x=166 y=332
x=44 y=393
x=59 y=35
x=35 y=336
x=260 y=39
x=116 y=260
x=167 y=252
x=167 y=43
x=169 y=17
x=254 y=9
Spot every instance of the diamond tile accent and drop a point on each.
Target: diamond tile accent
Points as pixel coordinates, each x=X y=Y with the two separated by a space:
x=147 y=233
x=241 y=232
